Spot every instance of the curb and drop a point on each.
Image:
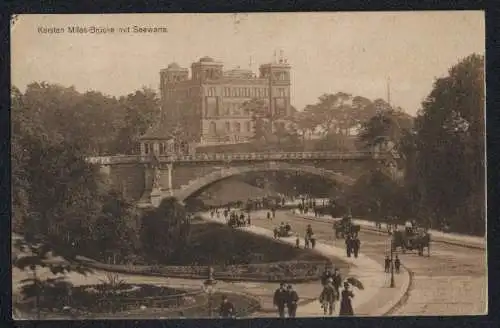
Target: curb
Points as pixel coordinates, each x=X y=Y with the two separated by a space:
x=406 y=294
x=401 y=297
x=375 y=230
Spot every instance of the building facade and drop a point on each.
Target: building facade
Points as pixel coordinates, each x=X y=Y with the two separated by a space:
x=207 y=104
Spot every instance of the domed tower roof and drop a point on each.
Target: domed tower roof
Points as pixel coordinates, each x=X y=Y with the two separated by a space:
x=173 y=66
x=206 y=59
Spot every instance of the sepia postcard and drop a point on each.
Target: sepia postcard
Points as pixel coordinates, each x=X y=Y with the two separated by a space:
x=248 y=165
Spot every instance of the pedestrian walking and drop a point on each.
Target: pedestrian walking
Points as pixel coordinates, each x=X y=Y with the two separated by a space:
x=345 y=301
x=327 y=275
x=337 y=281
x=313 y=241
x=387 y=264
x=328 y=297
x=348 y=245
x=226 y=309
x=306 y=241
x=291 y=301
x=273 y=210
x=356 y=244
x=279 y=299
x=397 y=264
x=276 y=233
x=268 y=215
x=297 y=241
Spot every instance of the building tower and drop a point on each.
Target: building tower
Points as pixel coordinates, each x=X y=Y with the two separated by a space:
x=169 y=79
x=278 y=76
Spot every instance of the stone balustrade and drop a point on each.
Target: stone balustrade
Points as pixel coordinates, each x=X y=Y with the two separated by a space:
x=231 y=157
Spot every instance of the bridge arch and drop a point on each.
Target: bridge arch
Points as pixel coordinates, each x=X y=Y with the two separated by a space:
x=197 y=184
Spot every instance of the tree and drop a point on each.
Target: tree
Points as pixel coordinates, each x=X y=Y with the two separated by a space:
x=116 y=228
x=450 y=147
x=165 y=230
x=141 y=110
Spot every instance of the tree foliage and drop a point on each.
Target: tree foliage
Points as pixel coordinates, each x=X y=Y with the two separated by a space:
x=165 y=230
x=61 y=207
x=448 y=148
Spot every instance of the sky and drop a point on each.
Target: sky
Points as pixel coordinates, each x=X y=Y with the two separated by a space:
x=354 y=53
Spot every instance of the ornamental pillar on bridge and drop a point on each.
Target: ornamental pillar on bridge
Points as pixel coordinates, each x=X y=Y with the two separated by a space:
x=158 y=178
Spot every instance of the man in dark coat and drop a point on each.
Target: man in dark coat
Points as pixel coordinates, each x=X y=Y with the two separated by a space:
x=279 y=300
x=397 y=264
x=337 y=281
x=348 y=245
x=387 y=264
x=291 y=301
x=226 y=309
x=327 y=274
x=356 y=244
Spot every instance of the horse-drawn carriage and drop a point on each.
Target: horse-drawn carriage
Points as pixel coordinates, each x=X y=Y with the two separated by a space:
x=345 y=227
x=412 y=238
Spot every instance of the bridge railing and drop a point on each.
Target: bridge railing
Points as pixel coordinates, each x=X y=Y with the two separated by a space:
x=221 y=157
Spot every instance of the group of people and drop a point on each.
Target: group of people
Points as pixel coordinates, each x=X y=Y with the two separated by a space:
x=331 y=294
x=283 y=230
x=286 y=297
x=352 y=245
x=271 y=214
x=387 y=264
x=236 y=220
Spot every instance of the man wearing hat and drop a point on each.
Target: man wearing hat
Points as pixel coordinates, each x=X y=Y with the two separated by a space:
x=337 y=281
x=291 y=301
x=328 y=297
x=226 y=308
x=280 y=298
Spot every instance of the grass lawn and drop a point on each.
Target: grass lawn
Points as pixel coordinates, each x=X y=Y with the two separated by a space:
x=216 y=244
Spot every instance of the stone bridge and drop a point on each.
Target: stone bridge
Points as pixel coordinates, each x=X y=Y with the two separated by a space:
x=148 y=179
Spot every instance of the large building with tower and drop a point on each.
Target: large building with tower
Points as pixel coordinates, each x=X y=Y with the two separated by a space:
x=207 y=105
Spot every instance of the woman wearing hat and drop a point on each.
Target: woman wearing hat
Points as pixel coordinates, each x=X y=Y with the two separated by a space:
x=345 y=301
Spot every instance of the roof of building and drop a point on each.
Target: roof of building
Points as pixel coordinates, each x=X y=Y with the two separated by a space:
x=239 y=73
x=156 y=132
x=174 y=65
x=206 y=59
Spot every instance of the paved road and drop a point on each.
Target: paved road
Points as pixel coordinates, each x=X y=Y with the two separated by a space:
x=452 y=281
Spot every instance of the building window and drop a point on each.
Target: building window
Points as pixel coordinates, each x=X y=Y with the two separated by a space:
x=227 y=92
x=248 y=126
x=266 y=92
x=211 y=92
x=146 y=148
x=228 y=127
x=212 y=128
x=237 y=127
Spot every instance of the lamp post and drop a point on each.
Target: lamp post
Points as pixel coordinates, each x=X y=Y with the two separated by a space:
x=208 y=287
x=392 y=264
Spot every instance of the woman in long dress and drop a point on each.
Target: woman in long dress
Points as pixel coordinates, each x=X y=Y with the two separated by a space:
x=345 y=301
